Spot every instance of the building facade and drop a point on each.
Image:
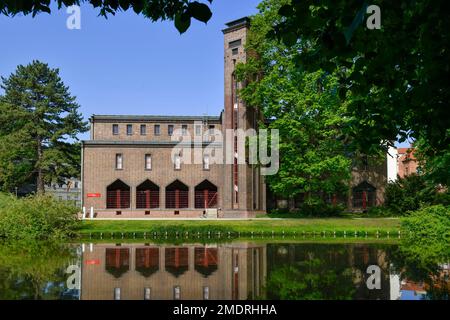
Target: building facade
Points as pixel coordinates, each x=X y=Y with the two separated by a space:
x=69 y=191
x=130 y=168
x=133 y=167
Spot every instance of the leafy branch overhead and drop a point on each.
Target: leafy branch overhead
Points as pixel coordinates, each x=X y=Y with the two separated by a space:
x=179 y=11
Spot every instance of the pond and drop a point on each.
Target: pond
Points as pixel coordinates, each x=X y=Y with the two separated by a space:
x=217 y=271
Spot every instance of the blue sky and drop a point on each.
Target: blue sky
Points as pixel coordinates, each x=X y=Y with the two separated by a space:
x=127 y=64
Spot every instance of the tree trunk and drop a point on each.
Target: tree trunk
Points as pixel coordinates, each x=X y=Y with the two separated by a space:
x=40 y=178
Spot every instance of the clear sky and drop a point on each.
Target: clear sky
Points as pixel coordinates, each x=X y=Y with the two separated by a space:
x=127 y=64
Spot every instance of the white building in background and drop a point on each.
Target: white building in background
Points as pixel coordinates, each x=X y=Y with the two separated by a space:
x=392 y=164
x=68 y=191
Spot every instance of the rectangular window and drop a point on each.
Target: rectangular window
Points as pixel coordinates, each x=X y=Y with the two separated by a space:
x=115 y=129
x=129 y=129
x=170 y=129
x=235 y=43
x=206 y=162
x=198 y=130
x=116 y=293
x=205 y=293
x=235 y=51
x=148 y=162
x=184 y=128
x=147 y=294
x=157 y=130
x=143 y=130
x=177 y=293
x=211 y=129
x=177 y=163
x=119 y=161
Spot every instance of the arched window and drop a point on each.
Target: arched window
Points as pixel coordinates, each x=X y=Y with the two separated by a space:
x=176 y=261
x=118 y=195
x=147 y=261
x=364 y=196
x=147 y=195
x=117 y=261
x=177 y=195
x=205 y=195
x=206 y=261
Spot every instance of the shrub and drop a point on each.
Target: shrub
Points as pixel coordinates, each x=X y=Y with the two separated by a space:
x=37 y=217
x=411 y=193
x=425 y=241
x=428 y=224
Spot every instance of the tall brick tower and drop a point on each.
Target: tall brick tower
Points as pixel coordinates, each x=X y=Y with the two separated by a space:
x=244 y=188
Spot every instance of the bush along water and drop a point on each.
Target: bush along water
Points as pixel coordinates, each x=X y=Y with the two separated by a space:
x=37 y=217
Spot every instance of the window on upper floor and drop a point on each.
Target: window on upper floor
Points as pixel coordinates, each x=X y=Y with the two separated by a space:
x=148 y=162
x=206 y=162
x=184 y=129
x=143 y=130
x=157 y=130
x=235 y=44
x=170 y=129
x=119 y=161
x=115 y=129
x=211 y=129
x=198 y=130
x=177 y=164
x=129 y=129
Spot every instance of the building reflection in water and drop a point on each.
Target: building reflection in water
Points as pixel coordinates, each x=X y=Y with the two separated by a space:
x=165 y=272
x=240 y=271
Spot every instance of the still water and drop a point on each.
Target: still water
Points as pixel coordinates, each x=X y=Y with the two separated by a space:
x=236 y=271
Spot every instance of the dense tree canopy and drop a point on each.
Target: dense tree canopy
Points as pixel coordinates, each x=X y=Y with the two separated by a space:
x=180 y=11
x=304 y=107
x=397 y=76
x=39 y=123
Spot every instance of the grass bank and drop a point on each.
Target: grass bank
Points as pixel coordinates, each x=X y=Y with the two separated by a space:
x=287 y=227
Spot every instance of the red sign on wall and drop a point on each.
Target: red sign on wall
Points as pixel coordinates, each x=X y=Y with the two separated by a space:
x=92 y=262
x=94 y=195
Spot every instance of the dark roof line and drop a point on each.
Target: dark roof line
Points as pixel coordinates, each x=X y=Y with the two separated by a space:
x=152 y=118
x=146 y=143
x=237 y=24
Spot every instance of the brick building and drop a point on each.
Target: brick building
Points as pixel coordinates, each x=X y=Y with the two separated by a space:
x=407 y=162
x=131 y=166
x=129 y=169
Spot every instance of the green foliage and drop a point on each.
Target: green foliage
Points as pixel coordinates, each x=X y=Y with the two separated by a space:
x=39 y=120
x=396 y=79
x=411 y=193
x=38 y=217
x=180 y=11
x=425 y=241
x=33 y=269
x=428 y=224
x=304 y=107
x=435 y=162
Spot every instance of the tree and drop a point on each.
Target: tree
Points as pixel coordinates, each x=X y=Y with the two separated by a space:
x=180 y=11
x=398 y=74
x=39 y=119
x=304 y=107
x=396 y=78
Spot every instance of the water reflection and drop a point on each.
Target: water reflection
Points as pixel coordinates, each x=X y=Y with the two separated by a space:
x=227 y=271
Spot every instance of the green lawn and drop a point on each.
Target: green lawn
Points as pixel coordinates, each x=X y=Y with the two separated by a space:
x=278 y=226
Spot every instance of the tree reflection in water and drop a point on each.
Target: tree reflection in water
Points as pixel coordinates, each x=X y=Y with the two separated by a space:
x=34 y=270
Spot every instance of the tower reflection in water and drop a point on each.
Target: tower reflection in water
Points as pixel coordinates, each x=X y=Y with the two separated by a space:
x=166 y=272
